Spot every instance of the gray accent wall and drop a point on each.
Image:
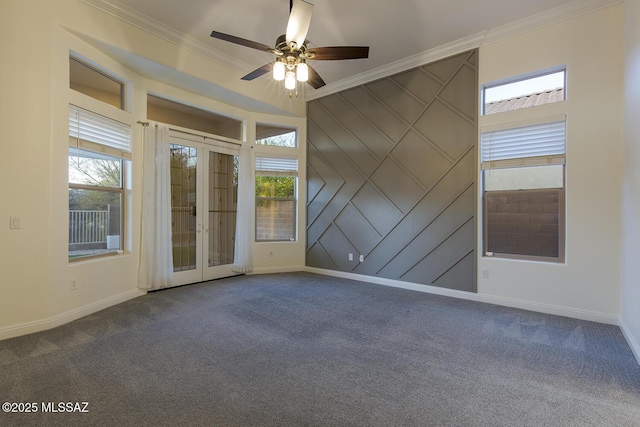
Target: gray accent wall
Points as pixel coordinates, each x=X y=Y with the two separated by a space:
x=391 y=175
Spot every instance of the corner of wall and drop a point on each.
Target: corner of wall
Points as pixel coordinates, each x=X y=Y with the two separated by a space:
x=629 y=229
x=631 y=340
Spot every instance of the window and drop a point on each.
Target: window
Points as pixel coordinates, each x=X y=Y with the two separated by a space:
x=99 y=149
x=96 y=84
x=276 y=180
x=524 y=92
x=174 y=113
x=275 y=135
x=523 y=178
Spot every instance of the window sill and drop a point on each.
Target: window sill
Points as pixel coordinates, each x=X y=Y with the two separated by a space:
x=94 y=256
x=525 y=258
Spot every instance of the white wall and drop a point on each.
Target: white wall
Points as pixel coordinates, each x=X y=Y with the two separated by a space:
x=587 y=284
x=630 y=271
x=35 y=39
x=25 y=162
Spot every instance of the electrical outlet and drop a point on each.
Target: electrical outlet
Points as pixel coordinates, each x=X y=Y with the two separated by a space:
x=15 y=223
x=350 y=257
x=485 y=273
x=361 y=258
x=73 y=284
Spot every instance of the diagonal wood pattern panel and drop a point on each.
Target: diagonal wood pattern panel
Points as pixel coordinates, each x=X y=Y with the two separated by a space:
x=392 y=171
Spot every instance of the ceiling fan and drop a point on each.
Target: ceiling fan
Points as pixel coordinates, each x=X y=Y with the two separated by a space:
x=292 y=53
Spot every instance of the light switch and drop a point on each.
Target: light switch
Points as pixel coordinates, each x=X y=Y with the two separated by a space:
x=15 y=222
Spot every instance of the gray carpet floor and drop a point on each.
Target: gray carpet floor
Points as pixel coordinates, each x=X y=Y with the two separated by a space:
x=300 y=349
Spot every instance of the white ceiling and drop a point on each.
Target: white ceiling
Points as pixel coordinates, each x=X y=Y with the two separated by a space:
x=394 y=30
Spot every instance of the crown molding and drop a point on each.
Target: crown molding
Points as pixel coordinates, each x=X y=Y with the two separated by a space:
x=396 y=67
x=167 y=33
x=530 y=23
x=546 y=18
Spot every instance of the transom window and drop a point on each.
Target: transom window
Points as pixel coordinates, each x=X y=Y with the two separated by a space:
x=188 y=117
x=524 y=92
x=276 y=136
x=92 y=82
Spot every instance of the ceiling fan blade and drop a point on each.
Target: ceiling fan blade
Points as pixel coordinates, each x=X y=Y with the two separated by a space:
x=338 y=52
x=240 y=41
x=314 y=78
x=259 y=72
x=299 y=21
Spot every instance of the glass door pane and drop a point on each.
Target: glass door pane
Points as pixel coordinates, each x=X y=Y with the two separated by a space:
x=222 y=210
x=184 y=206
x=204 y=188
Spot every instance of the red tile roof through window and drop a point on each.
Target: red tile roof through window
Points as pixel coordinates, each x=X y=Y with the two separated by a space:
x=524 y=101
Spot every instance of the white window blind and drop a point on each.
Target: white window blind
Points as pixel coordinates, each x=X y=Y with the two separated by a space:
x=91 y=131
x=540 y=144
x=274 y=166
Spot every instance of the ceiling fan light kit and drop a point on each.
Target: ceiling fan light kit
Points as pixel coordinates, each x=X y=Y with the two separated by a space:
x=290 y=80
x=292 y=53
x=278 y=71
x=302 y=71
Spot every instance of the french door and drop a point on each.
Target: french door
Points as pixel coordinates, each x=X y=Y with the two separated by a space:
x=204 y=186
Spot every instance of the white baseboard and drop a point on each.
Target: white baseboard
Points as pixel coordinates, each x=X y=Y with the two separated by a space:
x=61 y=319
x=558 y=310
x=285 y=269
x=489 y=299
x=631 y=340
x=52 y=322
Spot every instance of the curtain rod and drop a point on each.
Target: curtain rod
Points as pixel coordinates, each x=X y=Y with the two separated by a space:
x=199 y=134
x=187 y=132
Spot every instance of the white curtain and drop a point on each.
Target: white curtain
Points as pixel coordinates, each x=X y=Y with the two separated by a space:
x=242 y=260
x=156 y=259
